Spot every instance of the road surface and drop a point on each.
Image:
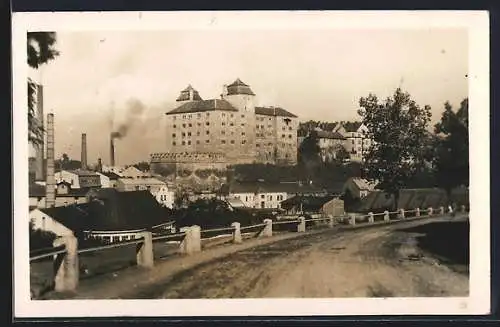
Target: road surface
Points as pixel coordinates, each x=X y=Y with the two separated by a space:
x=382 y=261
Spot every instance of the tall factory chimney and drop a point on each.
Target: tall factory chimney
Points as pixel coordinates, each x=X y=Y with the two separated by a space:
x=84 y=151
x=50 y=182
x=112 y=151
x=39 y=160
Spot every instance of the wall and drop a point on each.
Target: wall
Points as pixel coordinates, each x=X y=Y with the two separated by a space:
x=334 y=207
x=61 y=201
x=248 y=199
x=68 y=177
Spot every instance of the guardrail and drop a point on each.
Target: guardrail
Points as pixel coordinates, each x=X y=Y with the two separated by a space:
x=65 y=251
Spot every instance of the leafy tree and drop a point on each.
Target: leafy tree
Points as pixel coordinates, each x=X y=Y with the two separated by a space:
x=341 y=153
x=41 y=50
x=142 y=166
x=397 y=126
x=451 y=162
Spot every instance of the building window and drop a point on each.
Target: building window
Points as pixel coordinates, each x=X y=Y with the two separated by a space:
x=223 y=141
x=207 y=123
x=282 y=135
x=242 y=116
x=257 y=145
x=174 y=117
x=184 y=125
x=207 y=141
x=173 y=143
x=231 y=124
x=190 y=125
x=283 y=128
x=174 y=126
x=242 y=124
x=243 y=133
x=223 y=132
x=262 y=196
x=198 y=133
x=198 y=115
x=232 y=141
x=198 y=142
x=208 y=114
x=173 y=135
x=189 y=142
x=183 y=142
x=207 y=132
x=223 y=124
x=183 y=134
x=199 y=124
x=290 y=136
x=189 y=133
x=223 y=114
x=232 y=116
x=243 y=141
x=116 y=239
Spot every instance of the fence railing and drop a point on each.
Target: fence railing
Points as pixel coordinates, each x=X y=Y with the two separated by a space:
x=65 y=251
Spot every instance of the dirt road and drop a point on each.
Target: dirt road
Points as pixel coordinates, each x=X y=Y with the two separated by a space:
x=382 y=261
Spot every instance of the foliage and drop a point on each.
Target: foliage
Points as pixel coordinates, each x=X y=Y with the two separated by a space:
x=212 y=214
x=66 y=163
x=41 y=50
x=397 y=126
x=451 y=162
x=39 y=239
x=341 y=153
x=311 y=125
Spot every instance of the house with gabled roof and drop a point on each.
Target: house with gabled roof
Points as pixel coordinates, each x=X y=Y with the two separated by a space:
x=357 y=139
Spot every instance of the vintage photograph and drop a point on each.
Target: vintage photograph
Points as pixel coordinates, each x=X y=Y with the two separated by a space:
x=222 y=161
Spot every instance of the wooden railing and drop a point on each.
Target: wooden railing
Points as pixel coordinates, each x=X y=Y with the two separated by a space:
x=65 y=251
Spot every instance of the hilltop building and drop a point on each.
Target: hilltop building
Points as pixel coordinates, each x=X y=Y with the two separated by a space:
x=215 y=133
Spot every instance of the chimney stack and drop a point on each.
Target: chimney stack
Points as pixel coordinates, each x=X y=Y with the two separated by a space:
x=50 y=182
x=191 y=94
x=39 y=161
x=112 y=151
x=84 y=151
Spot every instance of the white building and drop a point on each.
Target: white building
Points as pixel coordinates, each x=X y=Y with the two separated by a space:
x=108 y=179
x=165 y=196
x=78 y=178
x=132 y=172
x=357 y=141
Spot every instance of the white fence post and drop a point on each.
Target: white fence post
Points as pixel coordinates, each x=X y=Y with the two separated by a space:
x=401 y=213
x=301 y=226
x=144 y=251
x=371 y=219
x=417 y=212
x=463 y=208
x=67 y=270
x=330 y=222
x=267 y=231
x=192 y=240
x=430 y=211
x=441 y=210
x=386 y=216
x=352 y=219
x=236 y=232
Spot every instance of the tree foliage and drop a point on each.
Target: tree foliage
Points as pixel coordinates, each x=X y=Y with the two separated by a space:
x=41 y=50
x=397 y=126
x=142 y=166
x=451 y=161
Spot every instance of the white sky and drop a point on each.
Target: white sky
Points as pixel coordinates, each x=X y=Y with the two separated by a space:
x=316 y=74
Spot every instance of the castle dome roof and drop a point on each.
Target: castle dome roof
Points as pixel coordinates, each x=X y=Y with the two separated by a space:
x=186 y=94
x=238 y=87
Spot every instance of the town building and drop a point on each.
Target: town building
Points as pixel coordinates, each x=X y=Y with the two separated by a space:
x=165 y=196
x=215 y=133
x=330 y=143
x=132 y=172
x=65 y=195
x=109 y=216
x=357 y=141
x=78 y=178
x=326 y=205
x=358 y=187
x=108 y=179
x=264 y=195
x=127 y=184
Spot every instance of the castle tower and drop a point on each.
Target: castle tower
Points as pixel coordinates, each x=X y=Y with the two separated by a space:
x=189 y=94
x=240 y=95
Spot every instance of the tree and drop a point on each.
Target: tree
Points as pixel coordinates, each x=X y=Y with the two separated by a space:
x=40 y=47
x=341 y=153
x=142 y=166
x=451 y=162
x=309 y=155
x=397 y=127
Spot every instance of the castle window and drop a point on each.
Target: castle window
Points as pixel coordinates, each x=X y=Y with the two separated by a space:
x=282 y=135
x=198 y=115
x=223 y=132
x=208 y=132
x=243 y=141
x=208 y=114
x=231 y=124
x=257 y=126
x=283 y=128
x=197 y=141
x=174 y=117
x=183 y=142
x=207 y=141
x=290 y=128
x=243 y=133
x=175 y=126
x=189 y=142
x=223 y=114
x=199 y=124
x=189 y=133
x=183 y=116
x=223 y=141
x=257 y=145
x=223 y=124
x=183 y=125
x=242 y=116
x=207 y=123
x=189 y=116
x=232 y=116
x=290 y=136
x=183 y=134
x=173 y=134
x=190 y=125
x=198 y=133
x=232 y=141
x=173 y=143
x=242 y=124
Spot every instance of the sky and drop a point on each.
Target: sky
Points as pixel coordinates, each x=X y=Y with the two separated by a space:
x=315 y=74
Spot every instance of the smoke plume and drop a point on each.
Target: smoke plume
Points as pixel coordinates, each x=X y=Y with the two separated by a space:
x=134 y=110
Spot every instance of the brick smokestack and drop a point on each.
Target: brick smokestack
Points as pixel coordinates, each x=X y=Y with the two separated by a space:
x=84 y=151
x=39 y=157
x=50 y=182
x=111 y=150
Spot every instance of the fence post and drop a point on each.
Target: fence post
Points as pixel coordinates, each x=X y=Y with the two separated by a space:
x=352 y=219
x=144 y=251
x=66 y=268
x=386 y=216
x=192 y=241
x=463 y=209
x=301 y=227
x=417 y=212
x=371 y=219
x=330 y=222
x=267 y=231
x=401 y=213
x=236 y=232
x=441 y=210
x=430 y=211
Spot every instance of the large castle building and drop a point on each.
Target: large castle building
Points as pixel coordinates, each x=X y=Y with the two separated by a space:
x=215 y=133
